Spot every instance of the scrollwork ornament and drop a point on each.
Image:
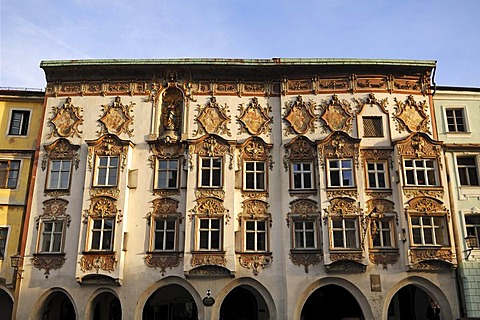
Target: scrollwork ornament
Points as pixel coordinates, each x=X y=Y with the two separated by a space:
x=337 y=115
x=299 y=116
x=66 y=120
x=411 y=116
x=116 y=118
x=97 y=262
x=255 y=262
x=254 y=119
x=212 y=118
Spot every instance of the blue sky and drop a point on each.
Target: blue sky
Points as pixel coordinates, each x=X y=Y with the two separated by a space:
x=36 y=30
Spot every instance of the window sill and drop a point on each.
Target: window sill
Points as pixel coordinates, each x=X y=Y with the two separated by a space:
x=305 y=251
x=296 y=191
x=49 y=254
x=98 y=252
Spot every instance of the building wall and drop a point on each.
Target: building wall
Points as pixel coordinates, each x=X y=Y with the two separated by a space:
x=283 y=277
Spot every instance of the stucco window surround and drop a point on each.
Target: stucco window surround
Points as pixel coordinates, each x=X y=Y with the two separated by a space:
x=299 y=160
x=255 y=160
x=210 y=173
x=420 y=172
x=167 y=163
x=456 y=120
x=372 y=118
x=470 y=169
x=377 y=164
x=255 y=222
x=19 y=122
x=341 y=173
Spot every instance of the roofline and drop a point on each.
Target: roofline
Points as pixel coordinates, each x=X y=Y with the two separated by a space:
x=241 y=62
x=450 y=88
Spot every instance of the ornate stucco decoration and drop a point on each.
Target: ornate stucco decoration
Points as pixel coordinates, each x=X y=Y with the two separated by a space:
x=413 y=193
x=205 y=193
x=54 y=209
x=161 y=149
x=162 y=261
x=98 y=261
x=300 y=148
x=211 y=146
x=343 y=207
x=371 y=100
x=346 y=262
x=164 y=208
x=338 y=145
x=208 y=258
x=379 y=208
x=411 y=116
x=66 y=120
x=362 y=83
x=212 y=118
x=116 y=118
x=254 y=148
x=101 y=207
x=108 y=145
x=377 y=154
x=376 y=194
x=255 y=261
x=254 y=119
x=255 y=210
x=341 y=193
x=432 y=259
x=420 y=145
x=327 y=85
x=210 y=207
x=384 y=257
x=305 y=258
x=299 y=116
x=48 y=262
x=106 y=192
x=171 y=113
x=337 y=114
x=426 y=206
x=61 y=149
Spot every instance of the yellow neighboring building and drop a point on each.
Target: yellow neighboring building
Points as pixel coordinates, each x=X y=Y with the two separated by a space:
x=21 y=114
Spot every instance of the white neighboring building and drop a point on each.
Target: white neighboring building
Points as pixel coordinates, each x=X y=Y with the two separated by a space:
x=285 y=188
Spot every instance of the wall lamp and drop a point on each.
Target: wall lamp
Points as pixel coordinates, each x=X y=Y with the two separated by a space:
x=471 y=241
x=16 y=261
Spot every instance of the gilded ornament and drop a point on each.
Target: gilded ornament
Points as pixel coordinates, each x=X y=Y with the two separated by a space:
x=411 y=116
x=116 y=118
x=66 y=120
x=54 y=209
x=254 y=119
x=201 y=259
x=255 y=262
x=97 y=262
x=212 y=118
x=299 y=116
x=337 y=114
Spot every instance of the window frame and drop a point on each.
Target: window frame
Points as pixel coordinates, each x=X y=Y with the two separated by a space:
x=386 y=173
x=211 y=170
x=302 y=175
x=340 y=172
x=254 y=172
x=425 y=170
x=432 y=227
x=391 y=233
x=464 y=117
x=4 y=184
x=4 y=240
x=475 y=226
x=255 y=232
x=199 y=229
x=467 y=174
x=153 y=234
x=42 y=232
x=303 y=233
x=167 y=170
x=91 y=230
x=343 y=229
x=108 y=169
x=23 y=111
x=48 y=184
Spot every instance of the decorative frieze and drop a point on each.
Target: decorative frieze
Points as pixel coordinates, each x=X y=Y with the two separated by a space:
x=418 y=255
x=208 y=258
x=414 y=193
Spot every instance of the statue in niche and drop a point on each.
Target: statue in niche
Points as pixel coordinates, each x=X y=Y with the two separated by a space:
x=171 y=115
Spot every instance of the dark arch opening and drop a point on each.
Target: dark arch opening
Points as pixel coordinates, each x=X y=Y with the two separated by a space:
x=6 y=304
x=244 y=303
x=106 y=306
x=331 y=302
x=58 y=307
x=412 y=303
x=172 y=302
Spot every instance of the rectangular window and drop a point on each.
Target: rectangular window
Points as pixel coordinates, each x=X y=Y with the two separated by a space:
x=59 y=174
x=340 y=173
x=209 y=234
x=304 y=235
x=52 y=236
x=377 y=175
x=455 y=120
x=211 y=172
x=344 y=233
x=3 y=242
x=102 y=234
x=372 y=127
x=165 y=235
x=9 y=171
x=255 y=235
x=167 y=174
x=428 y=230
x=254 y=176
x=381 y=233
x=302 y=173
x=107 y=171
x=420 y=172
x=19 y=123
x=467 y=171
x=472 y=223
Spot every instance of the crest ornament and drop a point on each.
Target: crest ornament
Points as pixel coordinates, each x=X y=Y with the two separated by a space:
x=337 y=114
x=255 y=262
x=61 y=149
x=66 y=120
x=116 y=118
x=255 y=148
x=212 y=118
x=411 y=116
x=300 y=148
x=299 y=116
x=338 y=145
x=254 y=119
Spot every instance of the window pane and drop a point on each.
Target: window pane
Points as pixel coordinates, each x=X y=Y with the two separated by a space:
x=250 y=241
x=335 y=178
x=215 y=240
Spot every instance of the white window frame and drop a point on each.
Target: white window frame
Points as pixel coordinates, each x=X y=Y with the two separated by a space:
x=163 y=232
x=381 y=233
x=344 y=229
x=340 y=171
x=5 y=253
x=476 y=166
x=108 y=167
x=303 y=234
x=302 y=172
x=211 y=169
x=209 y=230
x=474 y=226
x=7 y=173
x=51 y=234
x=423 y=169
x=376 y=173
x=432 y=226
x=255 y=172
x=60 y=173
x=102 y=231
x=168 y=171
x=465 y=118
x=256 y=234
x=10 y=119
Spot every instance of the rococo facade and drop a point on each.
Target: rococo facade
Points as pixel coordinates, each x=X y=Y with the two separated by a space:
x=239 y=189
